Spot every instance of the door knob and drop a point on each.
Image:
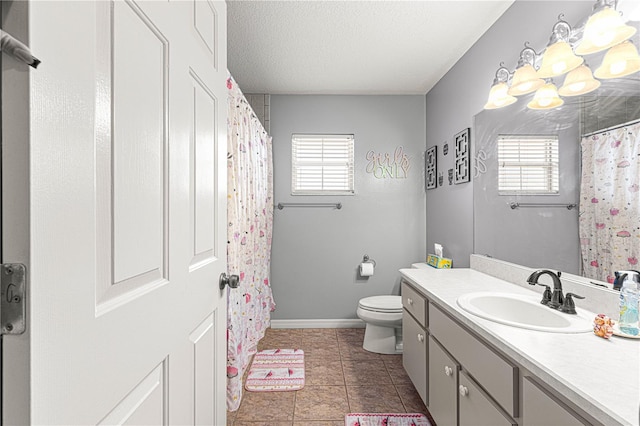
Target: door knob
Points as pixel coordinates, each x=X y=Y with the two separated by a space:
x=448 y=370
x=232 y=281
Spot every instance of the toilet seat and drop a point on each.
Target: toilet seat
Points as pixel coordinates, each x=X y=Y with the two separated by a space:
x=390 y=304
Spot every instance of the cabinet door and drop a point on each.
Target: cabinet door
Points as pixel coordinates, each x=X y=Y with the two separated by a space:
x=414 y=353
x=476 y=409
x=443 y=385
x=541 y=409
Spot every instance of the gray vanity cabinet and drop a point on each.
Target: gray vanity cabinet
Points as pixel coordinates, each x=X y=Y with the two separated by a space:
x=443 y=385
x=414 y=338
x=476 y=408
x=542 y=409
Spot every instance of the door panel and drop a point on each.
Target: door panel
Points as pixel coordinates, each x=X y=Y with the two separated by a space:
x=131 y=155
x=203 y=180
x=120 y=148
x=145 y=404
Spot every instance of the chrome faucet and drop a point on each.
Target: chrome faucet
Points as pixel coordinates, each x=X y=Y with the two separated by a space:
x=554 y=300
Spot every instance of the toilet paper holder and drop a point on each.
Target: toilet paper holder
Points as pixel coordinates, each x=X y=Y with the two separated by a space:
x=367 y=259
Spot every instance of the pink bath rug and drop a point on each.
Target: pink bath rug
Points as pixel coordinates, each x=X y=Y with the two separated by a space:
x=276 y=370
x=386 y=419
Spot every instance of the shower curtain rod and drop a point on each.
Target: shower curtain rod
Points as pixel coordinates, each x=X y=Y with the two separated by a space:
x=335 y=205
x=608 y=129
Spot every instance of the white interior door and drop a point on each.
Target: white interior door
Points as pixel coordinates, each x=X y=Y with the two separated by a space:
x=114 y=168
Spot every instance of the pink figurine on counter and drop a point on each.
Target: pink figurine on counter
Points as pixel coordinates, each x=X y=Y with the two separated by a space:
x=603 y=326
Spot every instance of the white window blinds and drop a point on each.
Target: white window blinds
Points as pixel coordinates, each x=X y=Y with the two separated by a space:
x=528 y=164
x=322 y=164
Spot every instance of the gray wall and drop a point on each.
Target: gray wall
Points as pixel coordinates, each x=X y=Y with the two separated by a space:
x=462 y=93
x=316 y=251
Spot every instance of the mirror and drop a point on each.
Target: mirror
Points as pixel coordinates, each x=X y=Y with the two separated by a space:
x=542 y=236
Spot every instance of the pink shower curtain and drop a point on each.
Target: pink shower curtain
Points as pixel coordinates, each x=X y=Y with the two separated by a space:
x=250 y=224
x=610 y=202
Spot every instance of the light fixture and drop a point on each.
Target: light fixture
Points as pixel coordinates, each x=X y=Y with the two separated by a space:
x=559 y=58
x=525 y=79
x=498 y=96
x=621 y=60
x=604 y=28
x=546 y=97
x=579 y=82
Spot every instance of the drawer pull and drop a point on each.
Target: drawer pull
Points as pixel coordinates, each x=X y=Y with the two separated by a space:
x=448 y=370
x=420 y=337
x=409 y=300
x=463 y=390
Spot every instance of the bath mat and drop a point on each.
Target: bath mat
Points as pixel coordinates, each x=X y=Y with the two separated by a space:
x=386 y=419
x=276 y=370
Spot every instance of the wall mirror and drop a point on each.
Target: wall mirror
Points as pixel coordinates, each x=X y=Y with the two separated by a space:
x=543 y=232
x=544 y=226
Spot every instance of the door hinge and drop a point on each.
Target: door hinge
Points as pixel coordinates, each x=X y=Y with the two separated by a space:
x=13 y=295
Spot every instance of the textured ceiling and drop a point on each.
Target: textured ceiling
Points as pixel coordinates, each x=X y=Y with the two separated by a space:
x=351 y=47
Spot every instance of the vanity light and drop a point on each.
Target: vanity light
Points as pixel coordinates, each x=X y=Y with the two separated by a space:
x=499 y=96
x=579 y=82
x=559 y=58
x=546 y=97
x=621 y=60
x=525 y=79
x=604 y=28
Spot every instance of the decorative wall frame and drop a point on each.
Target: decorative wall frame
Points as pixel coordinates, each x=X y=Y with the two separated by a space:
x=431 y=167
x=462 y=173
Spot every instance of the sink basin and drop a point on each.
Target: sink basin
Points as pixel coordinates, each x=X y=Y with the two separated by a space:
x=524 y=311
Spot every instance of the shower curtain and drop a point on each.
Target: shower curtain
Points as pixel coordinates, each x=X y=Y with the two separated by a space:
x=250 y=224
x=610 y=202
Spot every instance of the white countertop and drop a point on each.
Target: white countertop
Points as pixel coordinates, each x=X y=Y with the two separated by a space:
x=601 y=376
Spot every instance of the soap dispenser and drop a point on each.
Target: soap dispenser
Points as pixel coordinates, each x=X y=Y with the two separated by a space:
x=629 y=296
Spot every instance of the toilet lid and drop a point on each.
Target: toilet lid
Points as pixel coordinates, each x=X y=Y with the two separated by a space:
x=382 y=303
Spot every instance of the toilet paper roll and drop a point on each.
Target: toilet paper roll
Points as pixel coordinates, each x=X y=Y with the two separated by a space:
x=366 y=269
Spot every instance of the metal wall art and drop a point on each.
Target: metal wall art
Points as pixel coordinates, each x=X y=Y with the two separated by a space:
x=462 y=142
x=431 y=167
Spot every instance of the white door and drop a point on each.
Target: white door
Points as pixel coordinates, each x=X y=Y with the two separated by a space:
x=114 y=196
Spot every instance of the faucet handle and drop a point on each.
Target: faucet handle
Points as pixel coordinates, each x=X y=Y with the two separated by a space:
x=568 y=307
x=546 y=296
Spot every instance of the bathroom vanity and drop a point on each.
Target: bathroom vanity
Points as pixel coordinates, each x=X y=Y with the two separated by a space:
x=473 y=371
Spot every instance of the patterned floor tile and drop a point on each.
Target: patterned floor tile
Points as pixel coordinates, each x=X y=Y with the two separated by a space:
x=321 y=349
x=373 y=372
x=411 y=399
x=323 y=372
x=374 y=399
x=319 y=335
x=321 y=403
x=266 y=406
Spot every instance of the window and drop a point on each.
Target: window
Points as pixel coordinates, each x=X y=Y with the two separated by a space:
x=527 y=164
x=322 y=165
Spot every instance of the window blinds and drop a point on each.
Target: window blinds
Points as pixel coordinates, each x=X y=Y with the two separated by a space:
x=322 y=164
x=528 y=165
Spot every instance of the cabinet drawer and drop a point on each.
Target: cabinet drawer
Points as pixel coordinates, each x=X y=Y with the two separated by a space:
x=541 y=409
x=443 y=385
x=414 y=353
x=497 y=376
x=414 y=303
x=475 y=408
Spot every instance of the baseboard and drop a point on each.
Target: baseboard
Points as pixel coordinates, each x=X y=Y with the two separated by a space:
x=318 y=323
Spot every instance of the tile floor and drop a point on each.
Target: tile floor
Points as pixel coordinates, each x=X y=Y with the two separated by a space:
x=341 y=377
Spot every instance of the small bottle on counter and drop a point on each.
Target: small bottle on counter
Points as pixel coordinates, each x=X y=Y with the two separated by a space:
x=629 y=296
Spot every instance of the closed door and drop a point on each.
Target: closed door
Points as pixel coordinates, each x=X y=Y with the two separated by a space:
x=114 y=163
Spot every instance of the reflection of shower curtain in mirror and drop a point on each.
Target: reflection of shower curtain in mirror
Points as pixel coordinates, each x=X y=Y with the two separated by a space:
x=610 y=202
x=250 y=224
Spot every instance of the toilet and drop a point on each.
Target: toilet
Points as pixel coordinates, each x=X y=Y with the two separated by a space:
x=383 y=318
